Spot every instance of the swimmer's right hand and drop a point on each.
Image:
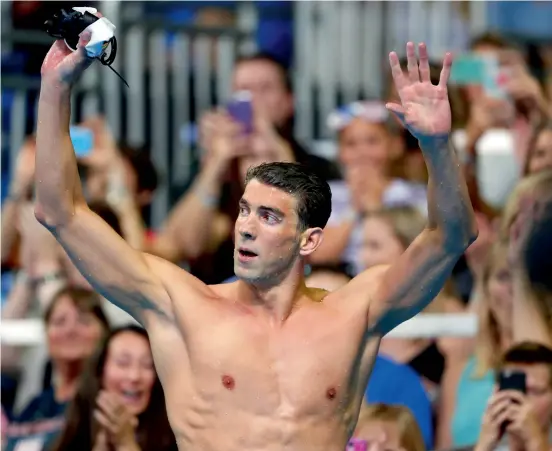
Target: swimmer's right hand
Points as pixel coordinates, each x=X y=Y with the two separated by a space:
x=61 y=66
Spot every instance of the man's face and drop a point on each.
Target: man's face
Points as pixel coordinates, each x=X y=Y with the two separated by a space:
x=270 y=96
x=267 y=235
x=539 y=390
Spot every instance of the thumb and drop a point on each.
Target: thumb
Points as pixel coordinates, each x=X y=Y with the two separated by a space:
x=397 y=111
x=78 y=60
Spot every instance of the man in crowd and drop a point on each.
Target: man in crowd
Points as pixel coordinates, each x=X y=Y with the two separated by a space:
x=265 y=362
x=518 y=420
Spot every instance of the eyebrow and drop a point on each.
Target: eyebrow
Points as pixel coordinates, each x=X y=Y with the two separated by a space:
x=273 y=210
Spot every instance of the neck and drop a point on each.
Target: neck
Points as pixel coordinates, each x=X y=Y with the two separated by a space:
x=506 y=336
x=276 y=300
x=65 y=376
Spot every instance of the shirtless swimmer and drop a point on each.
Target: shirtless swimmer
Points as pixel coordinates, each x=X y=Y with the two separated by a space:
x=264 y=363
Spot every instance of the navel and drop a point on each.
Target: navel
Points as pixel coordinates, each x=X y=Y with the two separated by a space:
x=330 y=393
x=228 y=382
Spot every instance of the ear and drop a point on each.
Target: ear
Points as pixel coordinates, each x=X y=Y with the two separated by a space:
x=311 y=239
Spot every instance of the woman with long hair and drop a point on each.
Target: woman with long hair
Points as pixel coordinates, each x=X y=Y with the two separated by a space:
x=74 y=323
x=120 y=404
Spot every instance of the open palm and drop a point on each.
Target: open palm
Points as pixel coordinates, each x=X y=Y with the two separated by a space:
x=424 y=107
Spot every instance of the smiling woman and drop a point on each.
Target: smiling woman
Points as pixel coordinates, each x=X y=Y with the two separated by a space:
x=120 y=403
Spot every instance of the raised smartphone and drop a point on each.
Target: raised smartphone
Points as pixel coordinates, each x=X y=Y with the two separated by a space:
x=512 y=380
x=482 y=70
x=82 y=139
x=240 y=108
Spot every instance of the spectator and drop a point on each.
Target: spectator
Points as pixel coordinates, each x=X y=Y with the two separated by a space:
x=75 y=324
x=526 y=417
x=539 y=157
x=364 y=153
x=119 y=404
x=390 y=428
x=510 y=311
x=19 y=193
x=390 y=382
x=387 y=234
x=200 y=225
x=472 y=378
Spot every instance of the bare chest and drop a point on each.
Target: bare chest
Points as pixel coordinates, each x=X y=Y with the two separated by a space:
x=296 y=368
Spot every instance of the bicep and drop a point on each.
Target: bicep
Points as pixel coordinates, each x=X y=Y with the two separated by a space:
x=404 y=288
x=123 y=275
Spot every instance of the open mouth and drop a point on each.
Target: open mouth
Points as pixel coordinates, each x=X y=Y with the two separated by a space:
x=131 y=396
x=245 y=254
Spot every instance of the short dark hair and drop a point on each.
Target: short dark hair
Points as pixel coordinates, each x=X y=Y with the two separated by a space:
x=313 y=194
x=529 y=353
x=271 y=59
x=491 y=39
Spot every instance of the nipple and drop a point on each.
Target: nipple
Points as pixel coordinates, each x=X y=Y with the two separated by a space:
x=330 y=394
x=228 y=382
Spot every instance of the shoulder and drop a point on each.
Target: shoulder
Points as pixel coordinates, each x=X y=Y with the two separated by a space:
x=368 y=280
x=363 y=288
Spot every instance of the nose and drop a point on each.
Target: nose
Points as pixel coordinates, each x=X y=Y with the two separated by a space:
x=247 y=229
x=133 y=373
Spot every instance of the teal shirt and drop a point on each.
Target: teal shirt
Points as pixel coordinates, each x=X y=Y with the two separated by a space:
x=40 y=423
x=472 y=395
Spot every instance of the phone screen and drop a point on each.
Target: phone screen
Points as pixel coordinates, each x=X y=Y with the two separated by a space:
x=240 y=108
x=82 y=139
x=513 y=380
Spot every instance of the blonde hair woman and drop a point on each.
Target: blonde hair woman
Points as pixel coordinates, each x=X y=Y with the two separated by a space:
x=386 y=235
x=510 y=311
x=390 y=428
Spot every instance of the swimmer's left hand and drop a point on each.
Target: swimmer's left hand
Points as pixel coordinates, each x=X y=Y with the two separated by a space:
x=424 y=109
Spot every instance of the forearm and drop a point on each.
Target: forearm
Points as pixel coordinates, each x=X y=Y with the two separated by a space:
x=58 y=188
x=189 y=226
x=449 y=207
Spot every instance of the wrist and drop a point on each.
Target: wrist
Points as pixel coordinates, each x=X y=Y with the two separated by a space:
x=434 y=142
x=485 y=445
x=128 y=444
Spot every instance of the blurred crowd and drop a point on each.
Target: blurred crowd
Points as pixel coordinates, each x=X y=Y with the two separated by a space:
x=98 y=386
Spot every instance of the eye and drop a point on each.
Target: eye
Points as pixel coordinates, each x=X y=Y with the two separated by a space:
x=271 y=219
x=243 y=210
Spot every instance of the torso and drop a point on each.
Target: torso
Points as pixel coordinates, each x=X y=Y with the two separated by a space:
x=233 y=381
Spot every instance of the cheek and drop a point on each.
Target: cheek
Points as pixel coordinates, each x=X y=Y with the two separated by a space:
x=54 y=336
x=112 y=377
x=149 y=379
x=91 y=334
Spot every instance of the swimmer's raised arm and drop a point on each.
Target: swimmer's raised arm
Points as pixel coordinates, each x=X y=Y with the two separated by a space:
x=123 y=275
x=403 y=289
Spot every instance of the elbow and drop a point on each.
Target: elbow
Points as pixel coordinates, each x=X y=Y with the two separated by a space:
x=457 y=240
x=53 y=218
